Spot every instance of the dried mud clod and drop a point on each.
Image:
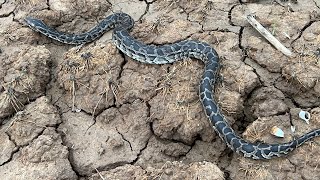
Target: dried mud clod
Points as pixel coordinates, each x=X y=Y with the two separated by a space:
x=265 y=102
x=123 y=132
x=90 y=77
x=25 y=78
x=45 y=157
x=32 y=121
x=30 y=142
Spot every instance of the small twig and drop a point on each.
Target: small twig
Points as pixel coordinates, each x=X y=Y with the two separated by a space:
x=96 y=106
x=99 y=174
x=265 y=33
x=114 y=89
x=280 y=3
x=73 y=96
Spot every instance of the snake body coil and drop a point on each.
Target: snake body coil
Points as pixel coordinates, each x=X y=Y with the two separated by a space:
x=122 y=23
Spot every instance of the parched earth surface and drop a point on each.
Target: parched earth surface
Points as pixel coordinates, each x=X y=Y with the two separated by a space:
x=97 y=114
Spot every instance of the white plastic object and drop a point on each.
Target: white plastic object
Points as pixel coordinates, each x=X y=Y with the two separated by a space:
x=277 y=132
x=304 y=115
x=293 y=129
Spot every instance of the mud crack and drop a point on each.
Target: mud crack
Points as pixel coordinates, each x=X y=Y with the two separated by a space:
x=122 y=136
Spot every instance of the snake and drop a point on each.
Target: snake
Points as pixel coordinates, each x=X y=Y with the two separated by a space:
x=122 y=23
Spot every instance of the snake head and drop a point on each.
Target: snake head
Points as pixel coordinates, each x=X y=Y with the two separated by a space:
x=35 y=24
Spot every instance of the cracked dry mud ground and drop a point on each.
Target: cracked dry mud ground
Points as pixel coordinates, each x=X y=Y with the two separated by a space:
x=97 y=114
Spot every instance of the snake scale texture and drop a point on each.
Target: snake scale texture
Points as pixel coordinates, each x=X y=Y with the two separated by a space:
x=122 y=23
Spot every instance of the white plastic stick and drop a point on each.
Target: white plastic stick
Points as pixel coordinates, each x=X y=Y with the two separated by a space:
x=266 y=34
